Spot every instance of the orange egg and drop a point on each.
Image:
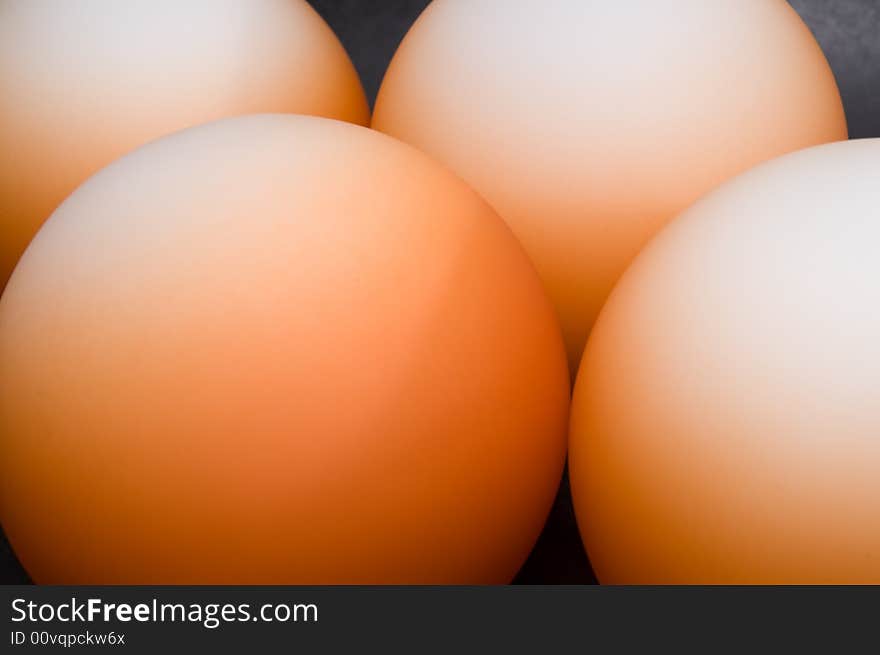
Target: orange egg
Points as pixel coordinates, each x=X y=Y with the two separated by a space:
x=726 y=418
x=83 y=82
x=277 y=349
x=588 y=125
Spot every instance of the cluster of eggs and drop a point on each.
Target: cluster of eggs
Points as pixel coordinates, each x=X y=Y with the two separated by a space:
x=250 y=340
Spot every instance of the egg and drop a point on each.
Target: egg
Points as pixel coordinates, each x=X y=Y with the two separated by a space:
x=83 y=82
x=726 y=417
x=589 y=125
x=277 y=349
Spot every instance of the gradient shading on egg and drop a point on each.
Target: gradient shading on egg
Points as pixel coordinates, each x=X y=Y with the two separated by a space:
x=588 y=125
x=277 y=349
x=726 y=418
x=83 y=82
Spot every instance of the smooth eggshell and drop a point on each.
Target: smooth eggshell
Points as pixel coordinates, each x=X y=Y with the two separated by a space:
x=726 y=418
x=82 y=82
x=589 y=124
x=277 y=349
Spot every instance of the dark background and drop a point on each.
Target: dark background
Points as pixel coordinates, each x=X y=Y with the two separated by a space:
x=849 y=33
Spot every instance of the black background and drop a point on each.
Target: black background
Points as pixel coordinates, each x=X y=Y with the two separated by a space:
x=847 y=30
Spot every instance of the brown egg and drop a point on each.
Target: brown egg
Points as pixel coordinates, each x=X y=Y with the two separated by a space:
x=83 y=82
x=277 y=349
x=588 y=125
x=726 y=418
